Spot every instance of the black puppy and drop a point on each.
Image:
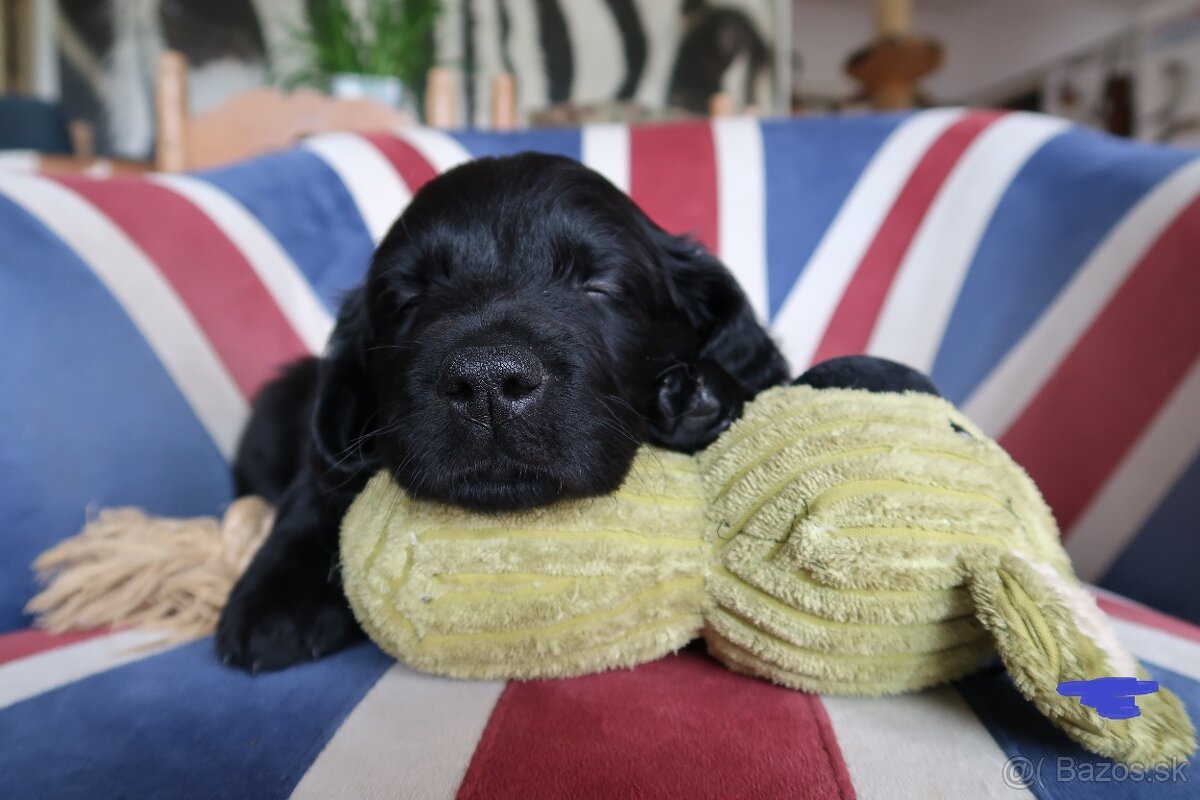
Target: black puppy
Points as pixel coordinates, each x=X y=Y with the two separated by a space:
x=522 y=329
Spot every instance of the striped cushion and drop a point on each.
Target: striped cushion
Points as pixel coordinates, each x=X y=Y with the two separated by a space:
x=1041 y=273
x=97 y=717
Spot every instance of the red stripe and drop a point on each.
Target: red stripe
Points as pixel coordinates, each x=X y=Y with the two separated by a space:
x=680 y=727
x=673 y=177
x=208 y=272
x=1144 y=615
x=1117 y=377
x=850 y=327
x=414 y=169
x=22 y=644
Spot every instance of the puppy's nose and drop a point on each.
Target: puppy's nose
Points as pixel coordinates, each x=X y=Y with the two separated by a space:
x=492 y=383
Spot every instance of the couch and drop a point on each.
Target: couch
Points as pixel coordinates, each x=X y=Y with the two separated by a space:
x=1044 y=275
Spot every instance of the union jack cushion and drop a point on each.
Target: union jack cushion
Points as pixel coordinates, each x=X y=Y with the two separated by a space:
x=1044 y=275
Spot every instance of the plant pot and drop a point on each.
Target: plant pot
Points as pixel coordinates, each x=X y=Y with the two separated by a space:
x=385 y=89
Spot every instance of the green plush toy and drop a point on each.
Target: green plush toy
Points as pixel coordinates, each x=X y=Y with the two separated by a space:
x=832 y=540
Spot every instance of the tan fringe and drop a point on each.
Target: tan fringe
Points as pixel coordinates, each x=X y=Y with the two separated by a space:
x=129 y=569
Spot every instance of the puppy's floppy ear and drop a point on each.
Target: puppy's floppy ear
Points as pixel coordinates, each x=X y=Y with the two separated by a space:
x=718 y=310
x=734 y=360
x=343 y=399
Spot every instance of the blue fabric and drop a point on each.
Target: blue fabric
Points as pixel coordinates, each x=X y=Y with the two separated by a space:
x=76 y=379
x=1058 y=209
x=1023 y=733
x=560 y=141
x=181 y=725
x=301 y=201
x=806 y=186
x=1160 y=564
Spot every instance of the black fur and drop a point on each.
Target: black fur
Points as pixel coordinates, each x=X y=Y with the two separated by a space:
x=866 y=372
x=275 y=441
x=523 y=328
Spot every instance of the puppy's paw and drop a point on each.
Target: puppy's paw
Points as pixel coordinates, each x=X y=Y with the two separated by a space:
x=693 y=405
x=272 y=624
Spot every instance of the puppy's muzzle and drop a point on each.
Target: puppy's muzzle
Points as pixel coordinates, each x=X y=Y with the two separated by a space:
x=492 y=385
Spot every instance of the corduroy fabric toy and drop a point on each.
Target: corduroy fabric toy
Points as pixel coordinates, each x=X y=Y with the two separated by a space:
x=832 y=540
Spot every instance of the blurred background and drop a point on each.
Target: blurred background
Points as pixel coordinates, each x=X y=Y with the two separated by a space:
x=84 y=77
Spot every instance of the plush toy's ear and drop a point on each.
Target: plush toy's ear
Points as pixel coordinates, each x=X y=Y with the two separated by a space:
x=1049 y=630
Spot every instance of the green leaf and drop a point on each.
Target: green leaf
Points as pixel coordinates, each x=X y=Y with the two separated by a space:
x=391 y=37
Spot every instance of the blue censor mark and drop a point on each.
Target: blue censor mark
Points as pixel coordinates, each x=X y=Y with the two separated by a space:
x=1113 y=698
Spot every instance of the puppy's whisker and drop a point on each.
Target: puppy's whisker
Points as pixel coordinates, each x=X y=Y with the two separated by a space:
x=617 y=429
x=657 y=456
x=615 y=422
x=408 y=345
x=605 y=399
x=355 y=445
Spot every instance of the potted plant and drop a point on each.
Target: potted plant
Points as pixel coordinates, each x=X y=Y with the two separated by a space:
x=380 y=51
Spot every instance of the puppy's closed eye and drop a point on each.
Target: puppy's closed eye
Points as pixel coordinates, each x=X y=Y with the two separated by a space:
x=606 y=290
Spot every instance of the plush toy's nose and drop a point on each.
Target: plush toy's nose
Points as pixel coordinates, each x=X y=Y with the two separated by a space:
x=492 y=385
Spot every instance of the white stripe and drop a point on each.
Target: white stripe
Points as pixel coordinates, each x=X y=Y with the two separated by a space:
x=926 y=287
x=440 y=149
x=605 y=148
x=1140 y=482
x=742 y=206
x=26 y=160
x=1148 y=643
x=372 y=181
x=1159 y=647
x=805 y=313
x=42 y=672
x=1005 y=393
x=412 y=736
x=274 y=267
x=136 y=283
x=887 y=744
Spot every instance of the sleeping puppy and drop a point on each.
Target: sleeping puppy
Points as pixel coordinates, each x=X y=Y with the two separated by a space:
x=522 y=330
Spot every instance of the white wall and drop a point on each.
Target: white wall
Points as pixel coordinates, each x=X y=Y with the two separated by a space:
x=991 y=45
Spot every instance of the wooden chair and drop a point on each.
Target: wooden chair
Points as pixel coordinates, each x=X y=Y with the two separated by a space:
x=441 y=101
x=252 y=122
x=264 y=120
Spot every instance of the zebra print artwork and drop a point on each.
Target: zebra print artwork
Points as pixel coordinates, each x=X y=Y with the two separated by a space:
x=655 y=54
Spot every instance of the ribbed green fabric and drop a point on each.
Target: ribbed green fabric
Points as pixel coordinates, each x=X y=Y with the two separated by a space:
x=834 y=541
x=583 y=586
